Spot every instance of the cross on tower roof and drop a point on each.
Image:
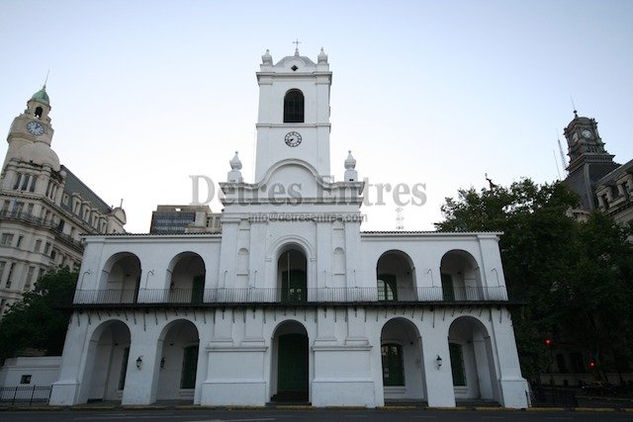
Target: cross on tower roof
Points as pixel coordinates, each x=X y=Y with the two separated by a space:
x=296 y=43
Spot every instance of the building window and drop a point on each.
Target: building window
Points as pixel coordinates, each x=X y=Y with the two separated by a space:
x=293 y=107
x=25 y=379
x=11 y=267
x=25 y=182
x=6 y=239
x=29 y=209
x=38 y=245
x=47 y=248
x=189 y=367
x=19 y=243
x=29 y=278
x=392 y=367
x=457 y=364
x=38 y=112
x=3 y=264
x=16 y=185
x=17 y=207
x=53 y=254
x=33 y=180
x=387 y=290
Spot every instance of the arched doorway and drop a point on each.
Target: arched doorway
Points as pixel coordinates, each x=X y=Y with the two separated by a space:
x=292 y=275
x=460 y=276
x=121 y=278
x=290 y=366
x=402 y=363
x=395 y=277
x=186 y=274
x=178 y=346
x=472 y=362
x=107 y=362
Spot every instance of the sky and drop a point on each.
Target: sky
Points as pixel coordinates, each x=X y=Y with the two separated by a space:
x=145 y=94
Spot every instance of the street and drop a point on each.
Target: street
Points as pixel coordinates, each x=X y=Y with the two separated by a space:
x=265 y=415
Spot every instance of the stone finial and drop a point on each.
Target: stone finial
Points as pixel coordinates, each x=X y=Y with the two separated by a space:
x=236 y=164
x=351 y=175
x=267 y=58
x=322 y=57
x=235 y=175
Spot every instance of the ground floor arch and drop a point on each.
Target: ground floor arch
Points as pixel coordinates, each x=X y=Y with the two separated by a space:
x=107 y=361
x=290 y=363
x=472 y=360
x=178 y=347
x=402 y=361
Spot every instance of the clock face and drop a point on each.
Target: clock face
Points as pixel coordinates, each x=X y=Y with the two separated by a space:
x=35 y=128
x=586 y=134
x=292 y=139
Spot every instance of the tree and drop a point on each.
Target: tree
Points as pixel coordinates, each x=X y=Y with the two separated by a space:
x=567 y=271
x=41 y=319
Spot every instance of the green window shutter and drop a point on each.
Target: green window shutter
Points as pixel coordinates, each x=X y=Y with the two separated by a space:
x=126 y=355
x=448 y=293
x=294 y=289
x=457 y=364
x=189 y=367
x=392 y=365
x=197 y=292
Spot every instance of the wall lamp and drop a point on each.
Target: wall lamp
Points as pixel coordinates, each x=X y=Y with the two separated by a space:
x=438 y=362
x=139 y=362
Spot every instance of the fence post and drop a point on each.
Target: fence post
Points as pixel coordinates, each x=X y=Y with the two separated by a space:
x=15 y=393
x=32 y=394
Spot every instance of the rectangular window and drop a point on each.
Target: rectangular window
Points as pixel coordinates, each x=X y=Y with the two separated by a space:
x=18 y=206
x=47 y=248
x=29 y=278
x=20 y=239
x=53 y=254
x=16 y=185
x=25 y=379
x=126 y=355
x=457 y=364
x=25 y=182
x=6 y=239
x=38 y=245
x=32 y=187
x=189 y=367
x=2 y=265
x=11 y=267
x=29 y=209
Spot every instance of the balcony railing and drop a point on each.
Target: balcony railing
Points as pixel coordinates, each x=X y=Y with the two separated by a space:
x=47 y=223
x=287 y=296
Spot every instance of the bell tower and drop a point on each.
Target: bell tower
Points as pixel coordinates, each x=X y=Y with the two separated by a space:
x=294 y=112
x=33 y=125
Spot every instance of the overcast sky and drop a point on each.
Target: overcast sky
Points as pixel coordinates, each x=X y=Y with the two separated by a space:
x=147 y=93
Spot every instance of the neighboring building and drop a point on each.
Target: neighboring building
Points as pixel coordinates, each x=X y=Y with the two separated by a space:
x=291 y=301
x=599 y=182
x=44 y=207
x=178 y=219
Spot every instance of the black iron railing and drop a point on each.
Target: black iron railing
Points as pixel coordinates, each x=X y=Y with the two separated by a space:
x=25 y=394
x=277 y=295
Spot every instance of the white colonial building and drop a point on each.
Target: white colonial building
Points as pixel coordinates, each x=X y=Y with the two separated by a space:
x=292 y=301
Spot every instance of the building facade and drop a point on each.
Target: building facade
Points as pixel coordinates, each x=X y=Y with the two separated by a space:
x=44 y=207
x=177 y=219
x=292 y=301
x=601 y=183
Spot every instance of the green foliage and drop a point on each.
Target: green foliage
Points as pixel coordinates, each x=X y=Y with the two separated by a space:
x=40 y=320
x=576 y=277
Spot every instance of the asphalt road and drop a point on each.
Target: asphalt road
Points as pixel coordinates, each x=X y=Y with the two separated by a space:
x=205 y=415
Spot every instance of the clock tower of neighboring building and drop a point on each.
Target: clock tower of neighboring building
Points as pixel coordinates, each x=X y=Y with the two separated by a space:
x=588 y=159
x=294 y=112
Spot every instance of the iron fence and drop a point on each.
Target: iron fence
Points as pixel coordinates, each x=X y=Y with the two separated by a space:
x=25 y=395
x=292 y=295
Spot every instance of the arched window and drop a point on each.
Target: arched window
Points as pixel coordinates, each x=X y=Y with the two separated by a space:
x=293 y=106
x=392 y=367
x=38 y=112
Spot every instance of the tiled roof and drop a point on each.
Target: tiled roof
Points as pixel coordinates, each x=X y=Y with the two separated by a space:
x=75 y=185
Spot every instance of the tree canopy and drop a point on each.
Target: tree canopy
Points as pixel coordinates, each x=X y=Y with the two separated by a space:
x=575 y=276
x=40 y=320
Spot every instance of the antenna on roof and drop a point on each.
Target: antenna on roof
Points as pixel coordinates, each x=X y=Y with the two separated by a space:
x=46 y=79
x=573 y=106
x=121 y=203
x=556 y=162
x=563 y=162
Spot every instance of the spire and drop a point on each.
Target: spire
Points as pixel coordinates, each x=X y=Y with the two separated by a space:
x=41 y=95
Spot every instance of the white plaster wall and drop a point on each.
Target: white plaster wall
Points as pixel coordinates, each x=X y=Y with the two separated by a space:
x=43 y=370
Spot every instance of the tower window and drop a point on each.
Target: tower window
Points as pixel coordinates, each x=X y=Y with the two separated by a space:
x=38 y=112
x=293 y=106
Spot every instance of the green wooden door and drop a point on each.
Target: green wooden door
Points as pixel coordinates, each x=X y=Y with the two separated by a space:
x=293 y=288
x=198 y=289
x=448 y=292
x=292 y=366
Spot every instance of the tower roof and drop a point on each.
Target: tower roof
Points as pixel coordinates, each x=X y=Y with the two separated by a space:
x=41 y=96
